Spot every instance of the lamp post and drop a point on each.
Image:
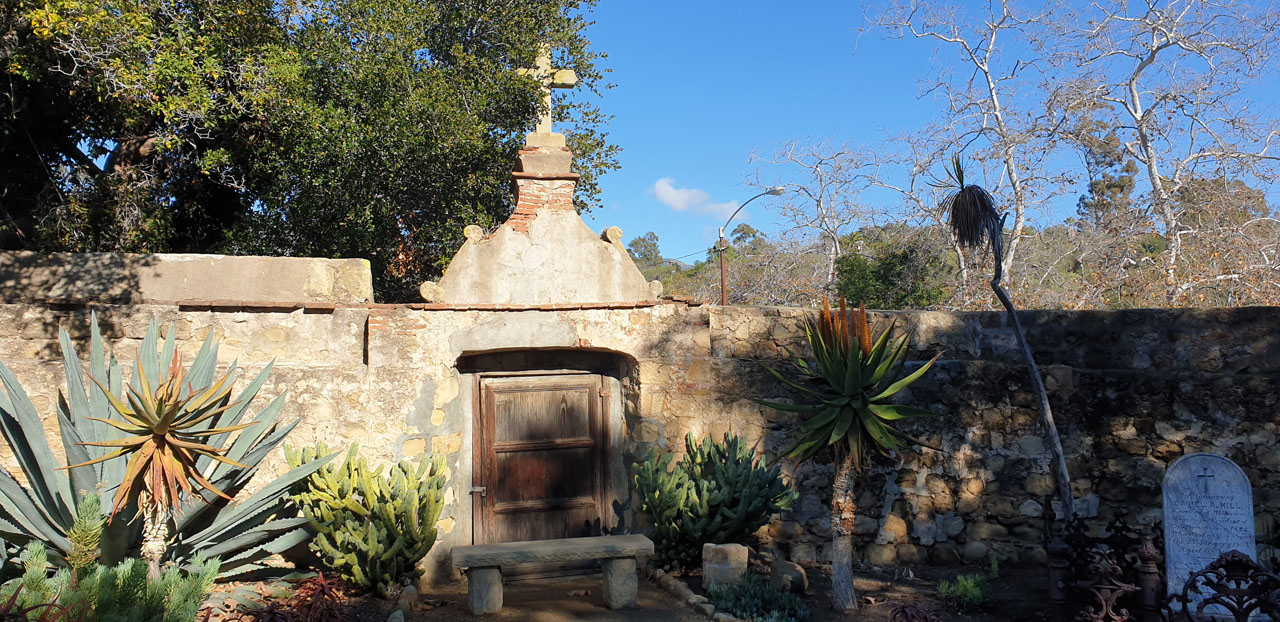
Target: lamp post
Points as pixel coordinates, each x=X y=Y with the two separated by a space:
x=724 y=280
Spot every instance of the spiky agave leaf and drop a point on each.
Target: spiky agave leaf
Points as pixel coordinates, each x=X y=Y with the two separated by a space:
x=851 y=387
x=163 y=436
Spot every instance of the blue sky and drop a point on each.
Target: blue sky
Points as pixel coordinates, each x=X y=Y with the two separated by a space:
x=700 y=85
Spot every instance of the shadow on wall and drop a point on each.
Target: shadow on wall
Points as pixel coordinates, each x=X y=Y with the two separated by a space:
x=110 y=278
x=1131 y=391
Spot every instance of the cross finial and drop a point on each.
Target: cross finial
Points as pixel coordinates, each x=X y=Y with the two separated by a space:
x=549 y=79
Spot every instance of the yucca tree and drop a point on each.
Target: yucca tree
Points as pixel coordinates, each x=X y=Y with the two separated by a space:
x=854 y=376
x=976 y=224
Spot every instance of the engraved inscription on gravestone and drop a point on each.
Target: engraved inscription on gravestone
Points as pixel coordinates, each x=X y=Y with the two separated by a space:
x=1208 y=511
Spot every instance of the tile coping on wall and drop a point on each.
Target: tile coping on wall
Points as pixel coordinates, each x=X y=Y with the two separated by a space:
x=328 y=307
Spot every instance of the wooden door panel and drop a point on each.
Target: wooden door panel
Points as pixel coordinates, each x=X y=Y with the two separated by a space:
x=540 y=455
x=547 y=476
x=540 y=415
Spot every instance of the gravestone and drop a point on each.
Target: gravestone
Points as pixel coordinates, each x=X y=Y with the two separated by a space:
x=1208 y=511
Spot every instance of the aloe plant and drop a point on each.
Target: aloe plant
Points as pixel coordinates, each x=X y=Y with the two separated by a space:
x=846 y=398
x=240 y=534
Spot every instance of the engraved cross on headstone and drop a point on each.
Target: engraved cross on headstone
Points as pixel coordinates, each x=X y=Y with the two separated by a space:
x=1204 y=478
x=549 y=79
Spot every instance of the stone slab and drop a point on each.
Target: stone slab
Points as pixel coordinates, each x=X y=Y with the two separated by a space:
x=119 y=278
x=1208 y=511
x=542 y=551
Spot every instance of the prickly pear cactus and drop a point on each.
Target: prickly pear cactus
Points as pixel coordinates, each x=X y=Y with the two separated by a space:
x=718 y=493
x=371 y=528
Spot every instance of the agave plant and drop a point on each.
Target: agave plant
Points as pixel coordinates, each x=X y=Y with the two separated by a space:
x=205 y=520
x=975 y=223
x=848 y=391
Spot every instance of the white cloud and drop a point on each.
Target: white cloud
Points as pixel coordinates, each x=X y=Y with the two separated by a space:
x=690 y=199
x=679 y=199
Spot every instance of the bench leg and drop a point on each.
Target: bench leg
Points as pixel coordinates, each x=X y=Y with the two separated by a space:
x=484 y=590
x=620 y=582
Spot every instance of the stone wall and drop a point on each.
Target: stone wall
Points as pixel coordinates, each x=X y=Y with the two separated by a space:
x=1131 y=390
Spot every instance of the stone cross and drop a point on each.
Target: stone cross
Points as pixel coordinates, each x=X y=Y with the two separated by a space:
x=549 y=79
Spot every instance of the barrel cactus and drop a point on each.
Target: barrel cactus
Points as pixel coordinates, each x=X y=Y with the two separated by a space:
x=371 y=528
x=719 y=493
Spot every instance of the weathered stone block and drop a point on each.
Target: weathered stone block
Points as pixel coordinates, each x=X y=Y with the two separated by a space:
x=620 y=582
x=484 y=590
x=723 y=564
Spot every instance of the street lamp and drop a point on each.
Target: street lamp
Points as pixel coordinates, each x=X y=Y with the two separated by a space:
x=724 y=280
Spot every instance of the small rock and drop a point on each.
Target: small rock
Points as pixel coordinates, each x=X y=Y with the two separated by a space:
x=408 y=598
x=723 y=617
x=788 y=577
x=893 y=530
x=945 y=554
x=1031 y=508
x=803 y=553
x=881 y=555
x=396 y=616
x=706 y=609
x=975 y=551
x=909 y=554
x=986 y=531
x=1040 y=485
x=864 y=525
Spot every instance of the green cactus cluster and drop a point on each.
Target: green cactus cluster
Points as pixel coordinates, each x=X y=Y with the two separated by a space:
x=718 y=493
x=371 y=528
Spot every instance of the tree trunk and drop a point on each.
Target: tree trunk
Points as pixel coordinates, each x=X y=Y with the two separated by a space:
x=843 y=597
x=1055 y=442
x=155 y=535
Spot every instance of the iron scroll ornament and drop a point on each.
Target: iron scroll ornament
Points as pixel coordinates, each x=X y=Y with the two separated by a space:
x=1234 y=582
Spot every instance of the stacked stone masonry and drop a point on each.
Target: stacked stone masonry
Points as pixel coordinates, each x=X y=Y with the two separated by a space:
x=1131 y=390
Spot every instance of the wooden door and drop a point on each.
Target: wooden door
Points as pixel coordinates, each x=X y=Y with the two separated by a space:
x=540 y=455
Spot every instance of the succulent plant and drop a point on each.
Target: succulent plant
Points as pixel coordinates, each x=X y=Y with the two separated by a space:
x=371 y=528
x=719 y=493
x=241 y=534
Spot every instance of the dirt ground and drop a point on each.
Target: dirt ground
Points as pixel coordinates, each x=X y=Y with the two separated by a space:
x=1017 y=594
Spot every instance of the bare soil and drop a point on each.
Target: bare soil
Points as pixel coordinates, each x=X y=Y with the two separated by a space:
x=1018 y=594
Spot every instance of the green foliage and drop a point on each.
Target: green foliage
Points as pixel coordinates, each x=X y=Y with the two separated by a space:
x=965 y=593
x=892 y=278
x=719 y=493
x=86 y=534
x=114 y=594
x=371 y=528
x=851 y=381
x=241 y=533
x=754 y=600
x=332 y=128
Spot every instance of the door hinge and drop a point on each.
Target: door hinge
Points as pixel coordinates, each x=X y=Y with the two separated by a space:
x=484 y=492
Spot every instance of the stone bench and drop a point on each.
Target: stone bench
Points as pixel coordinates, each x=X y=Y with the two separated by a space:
x=484 y=565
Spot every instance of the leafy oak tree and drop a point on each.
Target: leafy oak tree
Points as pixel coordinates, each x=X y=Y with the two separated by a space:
x=331 y=128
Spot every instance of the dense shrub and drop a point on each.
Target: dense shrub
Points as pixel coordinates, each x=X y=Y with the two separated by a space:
x=719 y=493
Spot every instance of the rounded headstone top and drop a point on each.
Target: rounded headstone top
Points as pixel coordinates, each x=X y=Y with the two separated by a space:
x=473 y=232
x=613 y=235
